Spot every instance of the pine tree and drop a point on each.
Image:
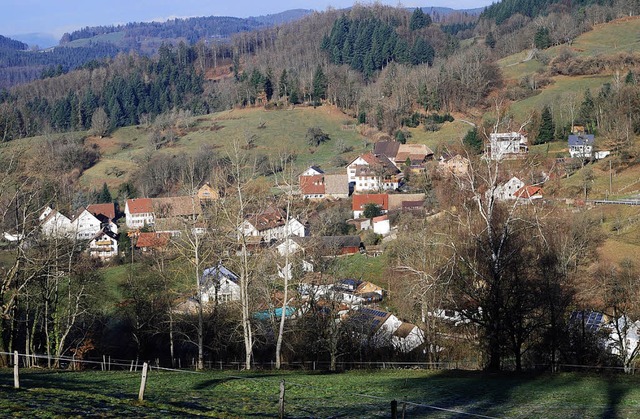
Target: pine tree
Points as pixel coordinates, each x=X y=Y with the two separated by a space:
x=473 y=141
x=104 y=197
x=542 y=39
x=547 y=127
x=320 y=84
x=419 y=20
x=422 y=52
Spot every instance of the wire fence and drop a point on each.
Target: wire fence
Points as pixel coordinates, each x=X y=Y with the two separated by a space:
x=377 y=403
x=264 y=391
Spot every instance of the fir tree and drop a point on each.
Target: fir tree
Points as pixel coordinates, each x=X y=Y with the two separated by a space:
x=473 y=141
x=320 y=84
x=104 y=197
x=419 y=20
x=547 y=127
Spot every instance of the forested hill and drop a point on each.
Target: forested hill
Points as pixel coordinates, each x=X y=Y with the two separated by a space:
x=8 y=43
x=190 y=29
x=503 y=10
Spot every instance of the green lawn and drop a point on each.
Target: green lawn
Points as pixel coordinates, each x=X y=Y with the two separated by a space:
x=355 y=394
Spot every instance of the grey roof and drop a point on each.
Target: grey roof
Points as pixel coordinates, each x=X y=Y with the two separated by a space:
x=581 y=140
x=336 y=184
x=386 y=148
x=328 y=245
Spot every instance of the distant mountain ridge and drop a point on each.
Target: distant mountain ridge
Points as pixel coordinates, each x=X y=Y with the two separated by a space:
x=12 y=44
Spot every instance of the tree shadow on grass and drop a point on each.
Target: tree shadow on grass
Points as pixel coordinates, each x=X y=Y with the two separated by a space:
x=510 y=394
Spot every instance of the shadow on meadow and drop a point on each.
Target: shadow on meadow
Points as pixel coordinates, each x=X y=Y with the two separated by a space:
x=514 y=395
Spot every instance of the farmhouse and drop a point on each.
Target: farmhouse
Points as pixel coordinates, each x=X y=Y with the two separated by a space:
x=359 y=203
x=139 y=212
x=272 y=224
x=369 y=172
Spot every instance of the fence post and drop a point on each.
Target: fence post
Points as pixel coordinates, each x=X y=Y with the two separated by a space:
x=394 y=409
x=281 y=404
x=16 y=376
x=404 y=406
x=143 y=383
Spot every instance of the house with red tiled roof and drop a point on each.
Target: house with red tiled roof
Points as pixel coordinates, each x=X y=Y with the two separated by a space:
x=147 y=241
x=529 y=193
x=108 y=210
x=369 y=172
x=315 y=184
x=312 y=186
x=359 y=203
x=139 y=212
x=381 y=225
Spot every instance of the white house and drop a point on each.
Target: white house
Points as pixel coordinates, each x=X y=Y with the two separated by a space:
x=381 y=225
x=507 y=145
x=372 y=173
x=624 y=339
x=104 y=245
x=219 y=284
x=385 y=329
x=506 y=191
x=54 y=224
x=272 y=224
x=581 y=145
x=139 y=212
x=85 y=225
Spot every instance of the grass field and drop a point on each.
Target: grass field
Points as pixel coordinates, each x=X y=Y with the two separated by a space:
x=355 y=394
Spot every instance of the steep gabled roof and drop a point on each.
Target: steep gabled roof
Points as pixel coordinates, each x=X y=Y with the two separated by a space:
x=152 y=240
x=312 y=185
x=108 y=210
x=529 y=191
x=213 y=275
x=139 y=205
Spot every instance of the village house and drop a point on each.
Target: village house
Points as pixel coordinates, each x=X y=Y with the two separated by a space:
x=529 y=193
x=272 y=224
x=138 y=213
x=507 y=145
x=456 y=165
x=581 y=145
x=106 y=213
x=507 y=190
x=383 y=329
x=413 y=156
x=83 y=226
x=104 y=245
x=317 y=185
x=207 y=194
x=150 y=241
x=219 y=285
x=359 y=203
x=381 y=225
x=373 y=173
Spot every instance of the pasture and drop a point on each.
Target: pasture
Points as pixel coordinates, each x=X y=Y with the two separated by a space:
x=354 y=394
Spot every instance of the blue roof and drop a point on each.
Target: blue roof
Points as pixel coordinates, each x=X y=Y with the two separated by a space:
x=217 y=273
x=581 y=140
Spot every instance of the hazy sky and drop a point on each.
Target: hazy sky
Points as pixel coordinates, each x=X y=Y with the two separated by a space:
x=59 y=16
